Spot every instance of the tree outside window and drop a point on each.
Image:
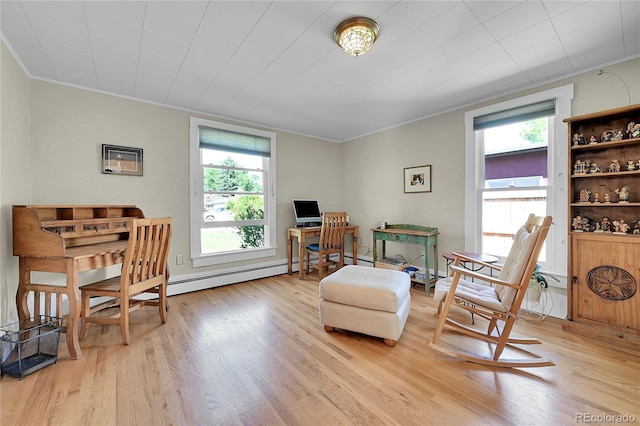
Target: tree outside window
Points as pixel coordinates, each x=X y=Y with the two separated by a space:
x=233 y=192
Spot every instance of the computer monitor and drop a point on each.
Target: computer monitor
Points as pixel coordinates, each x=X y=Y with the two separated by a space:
x=307 y=212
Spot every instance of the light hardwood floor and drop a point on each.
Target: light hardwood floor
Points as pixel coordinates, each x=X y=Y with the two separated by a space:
x=255 y=354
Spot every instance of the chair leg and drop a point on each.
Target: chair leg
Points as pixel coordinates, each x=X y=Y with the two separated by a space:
x=320 y=266
x=162 y=302
x=493 y=325
x=504 y=338
x=446 y=305
x=84 y=313
x=124 y=320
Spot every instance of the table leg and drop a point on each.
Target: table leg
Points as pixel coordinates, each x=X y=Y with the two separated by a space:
x=73 y=319
x=355 y=247
x=427 y=274
x=435 y=258
x=375 y=249
x=24 y=278
x=289 y=253
x=301 y=241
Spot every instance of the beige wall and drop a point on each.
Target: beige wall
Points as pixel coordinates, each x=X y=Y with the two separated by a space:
x=372 y=166
x=51 y=153
x=70 y=125
x=51 y=148
x=15 y=170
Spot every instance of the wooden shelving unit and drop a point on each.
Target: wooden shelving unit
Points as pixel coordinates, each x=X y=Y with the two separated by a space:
x=604 y=228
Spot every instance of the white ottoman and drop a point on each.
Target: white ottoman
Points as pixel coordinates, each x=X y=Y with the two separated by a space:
x=367 y=300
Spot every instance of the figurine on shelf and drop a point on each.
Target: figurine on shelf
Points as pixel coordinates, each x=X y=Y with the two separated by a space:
x=636 y=227
x=578 y=168
x=588 y=225
x=614 y=166
x=616 y=227
x=623 y=226
x=605 y=224
x=595 y=168
x=607 y=198
x=631 y=165
x=576 y=224
x=620 y=227
x=593 y=140
x=606 y=136
x=596 y=197
x=623 y=193
x=585 y=196
x=617 y=135
x=630 y=128
x=578 y=139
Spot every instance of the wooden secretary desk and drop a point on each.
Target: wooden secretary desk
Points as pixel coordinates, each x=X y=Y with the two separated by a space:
x=66 y=239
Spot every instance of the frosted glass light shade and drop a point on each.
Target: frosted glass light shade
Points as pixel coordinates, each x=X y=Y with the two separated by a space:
x=356 y=35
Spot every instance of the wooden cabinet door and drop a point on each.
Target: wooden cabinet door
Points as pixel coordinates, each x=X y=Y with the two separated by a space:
x=606 y=274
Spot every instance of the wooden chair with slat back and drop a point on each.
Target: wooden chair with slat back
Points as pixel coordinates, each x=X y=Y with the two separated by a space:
x=331 y=241
x=144 y=271
x=496 y=299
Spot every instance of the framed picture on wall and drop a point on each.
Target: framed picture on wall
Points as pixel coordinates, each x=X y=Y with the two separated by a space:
x=121 y=160
x=417 y=179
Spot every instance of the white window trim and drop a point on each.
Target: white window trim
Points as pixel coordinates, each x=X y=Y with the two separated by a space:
x=557 y=161
x=196 y=198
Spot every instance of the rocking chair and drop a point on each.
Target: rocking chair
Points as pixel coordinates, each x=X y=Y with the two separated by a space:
x=497 y=303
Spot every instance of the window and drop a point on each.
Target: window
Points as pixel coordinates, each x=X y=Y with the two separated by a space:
x=232 y=193
x=516 y=157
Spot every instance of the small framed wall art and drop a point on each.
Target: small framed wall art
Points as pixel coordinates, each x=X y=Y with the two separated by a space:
x=417 y=179
x=121 y=160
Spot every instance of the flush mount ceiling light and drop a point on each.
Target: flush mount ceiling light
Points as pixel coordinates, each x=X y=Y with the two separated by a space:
x=356 y=35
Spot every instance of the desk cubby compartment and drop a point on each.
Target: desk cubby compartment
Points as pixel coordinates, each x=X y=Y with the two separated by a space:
x=29 y=345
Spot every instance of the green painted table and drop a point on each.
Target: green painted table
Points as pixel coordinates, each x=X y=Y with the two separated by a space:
x=412 y=234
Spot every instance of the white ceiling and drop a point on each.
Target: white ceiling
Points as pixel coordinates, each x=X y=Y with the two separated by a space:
x=275 y=63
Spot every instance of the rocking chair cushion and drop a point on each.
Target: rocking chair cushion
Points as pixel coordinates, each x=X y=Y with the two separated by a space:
x=515 y=265
x=474 y=293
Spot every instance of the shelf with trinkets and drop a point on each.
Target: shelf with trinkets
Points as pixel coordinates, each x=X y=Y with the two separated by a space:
x=603 y=172
x=604 y=226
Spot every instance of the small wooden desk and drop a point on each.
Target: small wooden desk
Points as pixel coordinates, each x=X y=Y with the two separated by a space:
x=412 y=234
x=312 y=231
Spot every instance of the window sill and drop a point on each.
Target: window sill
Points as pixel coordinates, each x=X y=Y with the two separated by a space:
x=221 y=258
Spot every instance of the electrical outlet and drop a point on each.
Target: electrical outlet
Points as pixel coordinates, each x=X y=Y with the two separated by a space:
x=179 y=259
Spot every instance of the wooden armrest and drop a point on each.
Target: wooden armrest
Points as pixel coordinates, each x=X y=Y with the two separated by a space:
x=461 y=257
x=493 y=280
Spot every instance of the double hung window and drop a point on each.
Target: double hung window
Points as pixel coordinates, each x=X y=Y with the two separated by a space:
x=232 y=192
x=516 y=161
